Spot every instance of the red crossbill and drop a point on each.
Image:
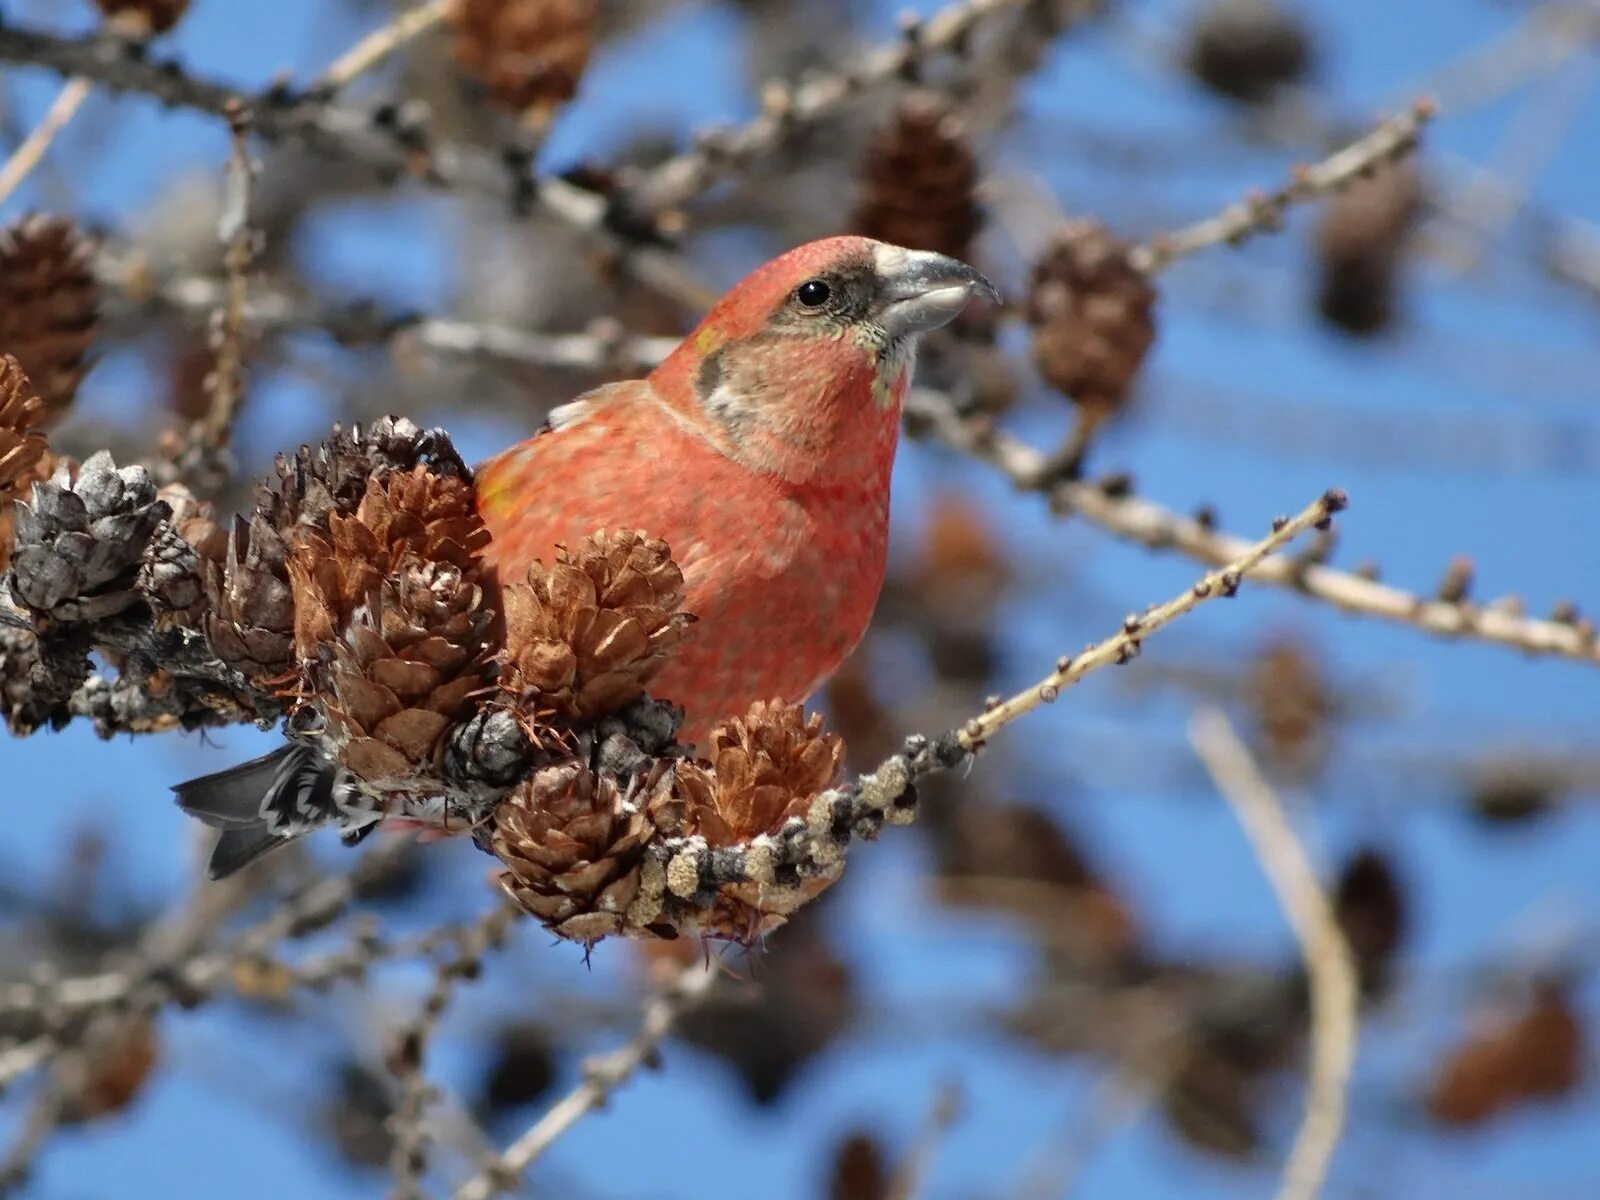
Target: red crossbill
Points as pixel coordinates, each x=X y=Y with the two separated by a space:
x=760 y=451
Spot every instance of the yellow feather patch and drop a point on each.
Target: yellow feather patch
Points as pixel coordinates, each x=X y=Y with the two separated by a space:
x=494 y=498
x=708 y=340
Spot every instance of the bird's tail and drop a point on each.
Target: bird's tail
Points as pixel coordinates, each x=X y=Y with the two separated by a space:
x=262 y=804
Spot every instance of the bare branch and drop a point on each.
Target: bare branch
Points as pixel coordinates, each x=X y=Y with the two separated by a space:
x=1260 y=213
x=372 y=50
x=601 y=1077
x=1323 y=947
x=1138 y=520
x=1124 y=645
x=29 y=154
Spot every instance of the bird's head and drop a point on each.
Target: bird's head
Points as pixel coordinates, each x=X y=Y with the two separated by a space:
x=801 y=368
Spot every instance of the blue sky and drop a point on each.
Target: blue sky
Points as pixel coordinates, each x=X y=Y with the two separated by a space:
x=229 y=1118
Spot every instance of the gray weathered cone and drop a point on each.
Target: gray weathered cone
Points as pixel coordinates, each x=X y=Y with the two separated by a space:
x=79 y=541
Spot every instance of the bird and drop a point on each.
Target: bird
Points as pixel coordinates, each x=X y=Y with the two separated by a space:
x=760 y=450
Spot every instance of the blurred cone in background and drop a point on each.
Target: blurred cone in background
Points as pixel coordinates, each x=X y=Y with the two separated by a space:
x=1249 y=50
x=1361 y=243
x=919 y=181
x=1093 y=319
x=49 y=306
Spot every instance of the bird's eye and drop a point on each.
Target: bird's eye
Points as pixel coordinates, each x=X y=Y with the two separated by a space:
x=813 y=293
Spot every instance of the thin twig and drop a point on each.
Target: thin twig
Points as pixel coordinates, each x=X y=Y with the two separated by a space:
x=408 y=1159
x=225 y=384
x=1328 y=961
x=378 y=45
x=1261 y=212
x=788 y=108
x=601 y=1077
x=817 y=844
x=1135 y=519
x=29 y=154
x=1124 y=645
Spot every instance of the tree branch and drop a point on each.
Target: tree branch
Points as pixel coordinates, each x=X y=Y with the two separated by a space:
x=1323 y=947
x=601 y=1077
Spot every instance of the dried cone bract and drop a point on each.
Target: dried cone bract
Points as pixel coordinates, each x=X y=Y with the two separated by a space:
x=410 y=516
x=528 y=54
x=920 y=181
x=49 y=306
x=573 y=848
x=24 y=456
x=1093 y=318
x=585 y=634
x=762 y=769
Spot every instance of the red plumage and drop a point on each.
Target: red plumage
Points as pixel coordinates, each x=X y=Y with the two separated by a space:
x=760 y=451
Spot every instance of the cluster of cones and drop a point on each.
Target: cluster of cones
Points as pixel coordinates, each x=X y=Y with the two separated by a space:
x=358 y=592
x=356 y=597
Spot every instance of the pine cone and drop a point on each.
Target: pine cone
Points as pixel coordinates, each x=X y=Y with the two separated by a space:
x=1289 y=698
x=920 y=180
x=763 y=769
x=252 y=619
x=1535 y=1054
x=50 y=305
x=1247 y=49
x=528 y=54
x=587 y=633
x=406 y=669
x=410 y=516
x=81 y=539
x=1361 y=243
x=117 y=1075
x=1092 y=316
x=1371 y=909
x=142 y=18
x=572 y=848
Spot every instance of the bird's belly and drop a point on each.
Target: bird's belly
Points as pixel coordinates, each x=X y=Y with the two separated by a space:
x=767 y=632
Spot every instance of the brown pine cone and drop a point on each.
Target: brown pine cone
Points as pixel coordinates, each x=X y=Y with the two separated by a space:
x=116 y=1075
x=49 y=305
x=1360 y=245
x=142 y=18
x=251 y=622
x=412 y=515
x=920 y=181
x=406 y=668
x=1289 y=698
x=572 y=848
x=1535 y=1054
x=1247 y=50
x=587 y=633
x=1092 y=314
x=528 y=54
x=763 y=768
